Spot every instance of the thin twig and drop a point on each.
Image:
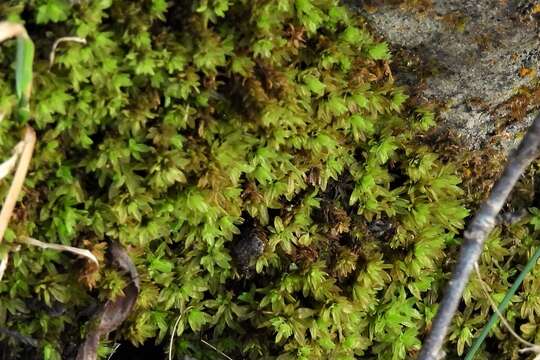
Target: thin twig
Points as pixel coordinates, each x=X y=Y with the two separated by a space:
x=18 y=180
x=61 y=40
x=77 y=251
x=19 y=337
x=216 y=350
x=474 y=238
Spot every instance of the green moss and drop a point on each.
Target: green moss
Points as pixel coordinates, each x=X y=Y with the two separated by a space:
x=258 y=163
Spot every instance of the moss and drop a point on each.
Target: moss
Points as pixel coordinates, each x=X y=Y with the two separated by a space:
x=516 y=108
x=258 y=162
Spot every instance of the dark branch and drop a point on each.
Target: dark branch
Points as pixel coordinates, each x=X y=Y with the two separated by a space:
x=113 y=312
x=19 y=337
x=474 y=237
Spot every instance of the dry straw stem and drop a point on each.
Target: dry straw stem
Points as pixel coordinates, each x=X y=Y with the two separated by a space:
x=216 y=350
x=7 y=166
x=474 y=237
x=61 y=40
x=173 y=333
x=171 y=342
x=77 y=251
x=116 y=346
x=18 y=180
x=9 y=30
x=3 y=265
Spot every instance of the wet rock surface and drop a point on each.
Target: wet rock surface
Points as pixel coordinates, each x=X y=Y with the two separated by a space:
x=248 y=246
x=477 y=60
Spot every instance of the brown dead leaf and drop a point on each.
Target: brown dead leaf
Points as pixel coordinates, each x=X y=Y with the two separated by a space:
x=113 y=313
x=90 y=274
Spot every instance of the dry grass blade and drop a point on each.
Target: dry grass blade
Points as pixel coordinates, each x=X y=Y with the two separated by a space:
x=171 y=342
x=18 y=180
x=9 y=30
x=7 y=166
x=173 y=333
x=116 y=346
x=3 y=265
x=216 y=350
x=61 y=40
x=74 y=250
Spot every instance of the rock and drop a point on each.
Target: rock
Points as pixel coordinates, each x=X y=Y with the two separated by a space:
x=248 y=246
x=476 y=59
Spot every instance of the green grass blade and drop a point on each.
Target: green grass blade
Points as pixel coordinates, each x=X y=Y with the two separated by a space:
x=23 y=75
x=503 y=305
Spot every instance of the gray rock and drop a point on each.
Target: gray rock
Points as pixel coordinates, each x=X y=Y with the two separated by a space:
x=468 y=54
x=248 y=246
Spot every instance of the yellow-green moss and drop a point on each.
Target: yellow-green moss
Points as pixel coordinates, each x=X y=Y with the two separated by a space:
x=255 y=158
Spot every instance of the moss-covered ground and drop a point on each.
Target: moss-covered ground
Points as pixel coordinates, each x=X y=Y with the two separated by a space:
x=279 y=196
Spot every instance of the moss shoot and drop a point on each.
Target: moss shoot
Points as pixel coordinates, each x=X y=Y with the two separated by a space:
x=259 y=164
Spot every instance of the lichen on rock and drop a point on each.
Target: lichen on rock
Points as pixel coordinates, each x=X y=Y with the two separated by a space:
x=474 y=57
